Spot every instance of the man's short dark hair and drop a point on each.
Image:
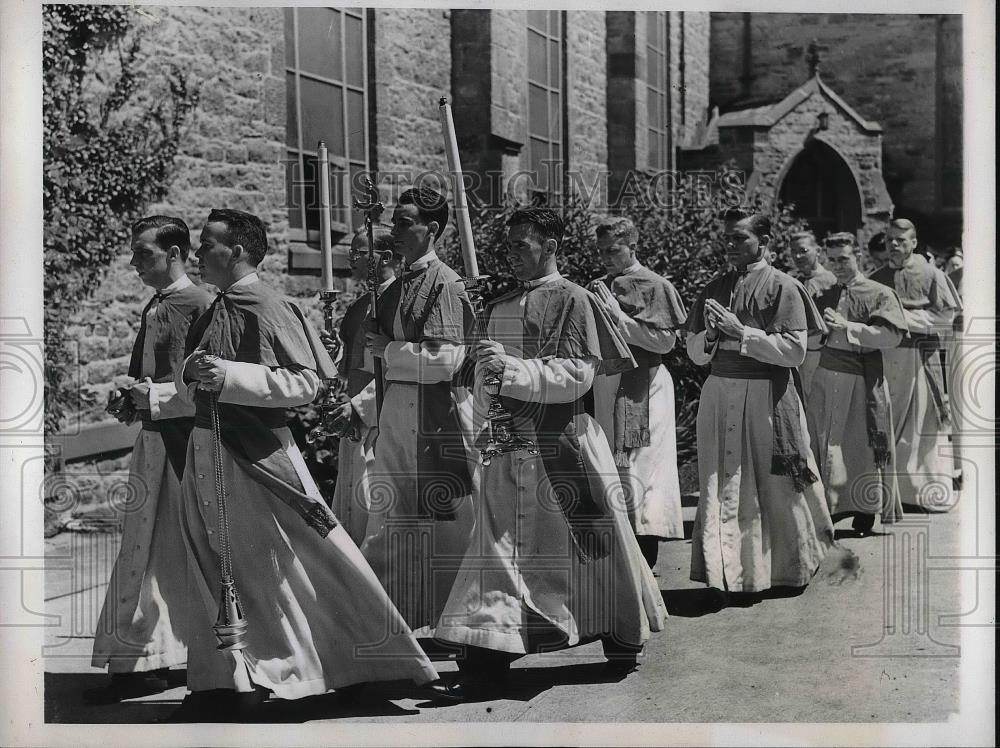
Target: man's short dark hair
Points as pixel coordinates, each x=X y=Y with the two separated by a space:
x=170 y=231
x=758 y=223
x=877 y=243
x=545 y=222
x=244 y=229
x=841 y=239
x=619 y=227
x=431 y=206
x=809 y=235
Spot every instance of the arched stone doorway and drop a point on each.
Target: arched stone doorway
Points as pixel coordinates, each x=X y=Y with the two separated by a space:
x=823 y=190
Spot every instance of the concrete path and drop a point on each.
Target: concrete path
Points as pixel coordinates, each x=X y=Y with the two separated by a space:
x=872 y=650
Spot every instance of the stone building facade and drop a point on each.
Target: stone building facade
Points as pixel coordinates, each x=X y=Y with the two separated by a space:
x=274 y=81
x=901 y=71
x=545 y=102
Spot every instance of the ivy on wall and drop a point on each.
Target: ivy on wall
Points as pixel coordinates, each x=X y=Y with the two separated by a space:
x=112 y=127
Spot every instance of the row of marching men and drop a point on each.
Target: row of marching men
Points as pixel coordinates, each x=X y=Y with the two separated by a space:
x=548 y=545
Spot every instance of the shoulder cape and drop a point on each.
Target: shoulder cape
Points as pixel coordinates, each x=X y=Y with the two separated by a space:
x=255 y=324
x=920 y=285
x=648 y=298
x=564 y=320
x=433 y=305
x=868 y=302
x=175 y=314
x=768 y=299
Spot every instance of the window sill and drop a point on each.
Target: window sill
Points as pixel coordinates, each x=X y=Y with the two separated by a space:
x=304 y=259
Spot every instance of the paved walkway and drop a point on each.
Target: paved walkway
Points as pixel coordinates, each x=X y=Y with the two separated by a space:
x=831 y=654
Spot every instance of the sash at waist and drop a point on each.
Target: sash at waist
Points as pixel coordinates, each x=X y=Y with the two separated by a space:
x=846 y=362
x=148 y=424
x=272 y=418
x=732 y=365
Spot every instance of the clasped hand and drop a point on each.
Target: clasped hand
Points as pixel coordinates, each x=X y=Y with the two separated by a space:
x=834 y=319
x=207 y=370
x=718 y=320
x=604 y=295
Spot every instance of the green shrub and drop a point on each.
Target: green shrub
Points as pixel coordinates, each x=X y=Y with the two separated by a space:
x=680 y=237
x=111 y=131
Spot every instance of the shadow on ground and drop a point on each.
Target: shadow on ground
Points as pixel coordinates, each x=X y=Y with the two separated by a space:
x=525 y=684
x=64 y=702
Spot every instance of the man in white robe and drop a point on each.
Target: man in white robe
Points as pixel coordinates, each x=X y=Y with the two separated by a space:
x=421 y=514
x=140 y=633
x=317 y=617
x=636 y=408
x=812 y=274
x=921 y=417
x=356 y=418
x=848 y=409
x=553 y=562
x=762 y=518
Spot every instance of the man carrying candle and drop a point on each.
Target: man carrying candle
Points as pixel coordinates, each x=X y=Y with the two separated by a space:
x=636 y=408
x=554 y=561
x=421 y=483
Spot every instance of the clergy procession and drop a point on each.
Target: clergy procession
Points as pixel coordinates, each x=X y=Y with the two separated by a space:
x=507 y=466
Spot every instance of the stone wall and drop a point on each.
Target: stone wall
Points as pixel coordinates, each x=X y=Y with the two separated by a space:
x=697 y=28
x=886 y=66
x=231 y=157
x=586 y=73
x=412 y=71
x=861 y=152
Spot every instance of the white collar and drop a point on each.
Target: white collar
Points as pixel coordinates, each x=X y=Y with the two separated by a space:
x=384 y=285
x=177 y=285
x=761 y=263
x=421 y=262
x=535 y=283
x=858 y=277
x=246 y=280
x=634 y=267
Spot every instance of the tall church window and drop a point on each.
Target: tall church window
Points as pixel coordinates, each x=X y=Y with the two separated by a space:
x=546 y=99
x=658 y=91
x=326 y=84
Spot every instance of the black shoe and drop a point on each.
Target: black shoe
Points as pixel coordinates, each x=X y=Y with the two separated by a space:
x=862 y=524
x=454 y=691
x=126 y=686
x=623 y=658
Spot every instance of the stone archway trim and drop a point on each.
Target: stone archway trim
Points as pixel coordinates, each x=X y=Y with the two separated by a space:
x=787 y=165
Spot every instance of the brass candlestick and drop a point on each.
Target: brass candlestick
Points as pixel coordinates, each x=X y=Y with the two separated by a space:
x=501 y=437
